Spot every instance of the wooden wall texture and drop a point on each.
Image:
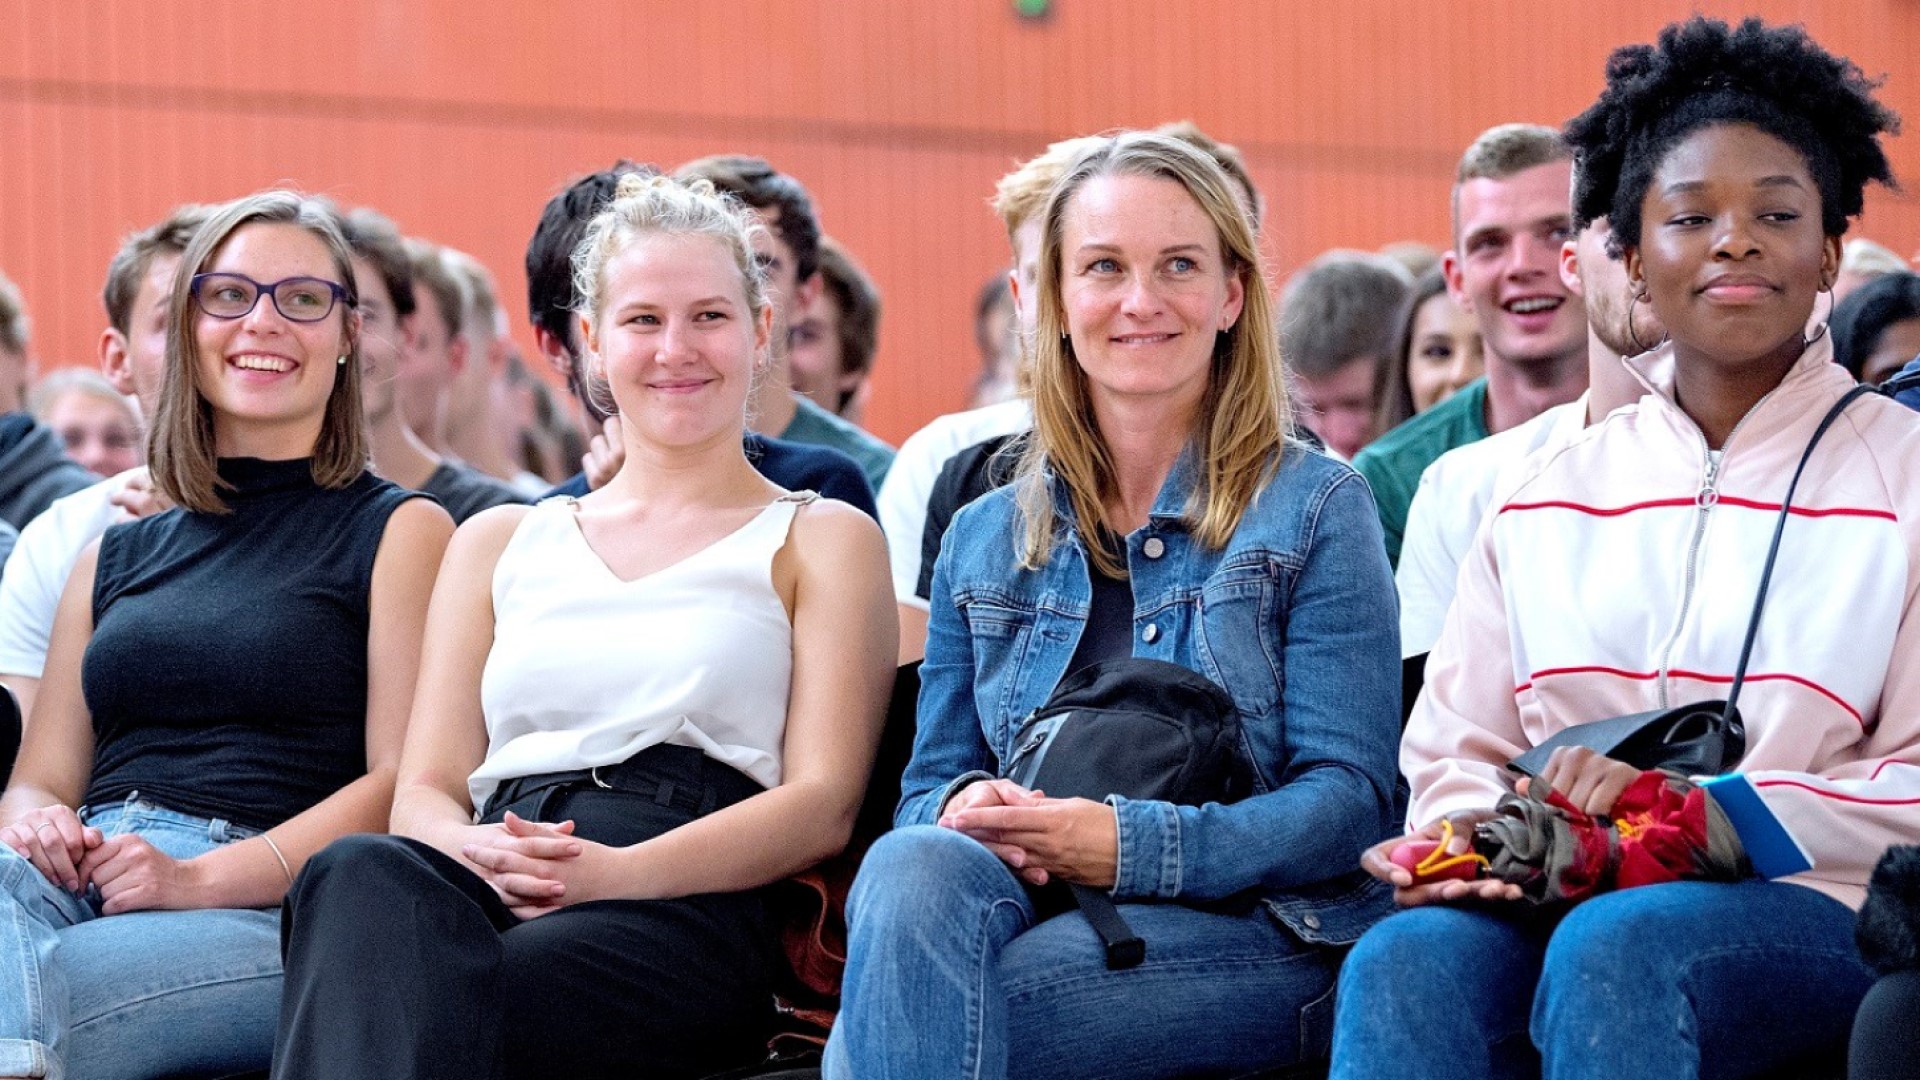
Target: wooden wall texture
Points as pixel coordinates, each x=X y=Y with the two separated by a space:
x=460 y=118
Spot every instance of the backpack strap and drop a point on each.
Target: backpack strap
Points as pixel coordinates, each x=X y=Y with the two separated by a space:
x=1124 y=947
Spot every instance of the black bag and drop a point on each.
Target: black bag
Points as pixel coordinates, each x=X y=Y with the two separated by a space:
x=1140 y=729
x=1706 y=738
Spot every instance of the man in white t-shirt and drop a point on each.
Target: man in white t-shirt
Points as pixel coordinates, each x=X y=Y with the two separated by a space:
x=133 y=353
x=1456 y=490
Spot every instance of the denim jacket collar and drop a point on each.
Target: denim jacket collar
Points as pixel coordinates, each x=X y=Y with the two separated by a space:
x=1169 y=506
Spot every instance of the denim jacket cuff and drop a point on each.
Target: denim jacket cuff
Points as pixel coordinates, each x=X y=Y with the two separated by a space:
x=971 y=776
x=1149 y=857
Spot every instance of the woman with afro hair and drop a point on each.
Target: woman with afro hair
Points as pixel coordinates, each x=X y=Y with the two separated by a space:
x=1619 y=576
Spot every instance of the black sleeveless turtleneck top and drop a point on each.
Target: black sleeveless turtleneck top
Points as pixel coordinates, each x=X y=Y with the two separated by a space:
x=227 y=675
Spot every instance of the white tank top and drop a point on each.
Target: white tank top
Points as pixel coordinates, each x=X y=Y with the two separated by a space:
x=587 y=669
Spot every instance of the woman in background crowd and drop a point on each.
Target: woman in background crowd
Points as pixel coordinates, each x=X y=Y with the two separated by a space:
x=1438 y=353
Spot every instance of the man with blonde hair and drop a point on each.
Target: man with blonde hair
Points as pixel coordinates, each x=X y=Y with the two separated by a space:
x=1017 y=200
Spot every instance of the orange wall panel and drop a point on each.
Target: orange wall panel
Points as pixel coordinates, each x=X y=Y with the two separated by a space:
x=460 y=119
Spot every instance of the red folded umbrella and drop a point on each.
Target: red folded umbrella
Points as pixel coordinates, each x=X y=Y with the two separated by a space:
x=1662 y=828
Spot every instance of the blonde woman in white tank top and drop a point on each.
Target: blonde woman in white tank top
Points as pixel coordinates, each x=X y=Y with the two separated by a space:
x=656 y=700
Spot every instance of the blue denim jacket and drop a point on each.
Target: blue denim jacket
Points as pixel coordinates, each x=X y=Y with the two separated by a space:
x=1296 y=617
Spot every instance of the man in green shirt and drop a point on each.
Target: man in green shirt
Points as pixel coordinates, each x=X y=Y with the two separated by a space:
x=790 y=252
x=1510 y=218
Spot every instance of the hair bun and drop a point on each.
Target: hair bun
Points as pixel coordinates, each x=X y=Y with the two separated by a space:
x=634 y=184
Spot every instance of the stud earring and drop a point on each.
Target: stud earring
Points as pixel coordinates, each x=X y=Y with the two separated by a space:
x=342 y=361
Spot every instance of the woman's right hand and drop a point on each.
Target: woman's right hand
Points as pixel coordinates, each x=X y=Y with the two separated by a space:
x=997 y=793
x=516 y=857
x=1377 y=860
x=55 y=841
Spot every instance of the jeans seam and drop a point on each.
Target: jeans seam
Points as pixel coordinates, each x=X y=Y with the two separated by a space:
x=157 y=995
x=1176 y=855
x=976 y=1021
x=1208 y=963
x=23 y=945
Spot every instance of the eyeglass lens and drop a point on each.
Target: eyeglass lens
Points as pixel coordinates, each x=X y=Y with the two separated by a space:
x=230 y=296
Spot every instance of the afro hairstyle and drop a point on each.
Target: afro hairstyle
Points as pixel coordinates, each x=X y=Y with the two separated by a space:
x=1704 y=73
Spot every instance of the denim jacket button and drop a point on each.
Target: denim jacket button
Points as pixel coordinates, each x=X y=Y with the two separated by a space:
x=1153 y=549
x=1151 y=634
x=1312 y=921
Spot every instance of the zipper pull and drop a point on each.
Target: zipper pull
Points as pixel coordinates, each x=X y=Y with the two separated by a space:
x=1709 y=494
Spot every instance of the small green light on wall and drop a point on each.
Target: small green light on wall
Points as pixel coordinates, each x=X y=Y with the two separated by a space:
x=1033 y=9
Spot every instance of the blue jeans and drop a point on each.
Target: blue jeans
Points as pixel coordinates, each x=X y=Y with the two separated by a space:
x=948 y=975
x=1690 y=979
x=139 y=995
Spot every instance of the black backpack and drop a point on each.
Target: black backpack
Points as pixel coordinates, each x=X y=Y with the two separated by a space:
x=1140 y=729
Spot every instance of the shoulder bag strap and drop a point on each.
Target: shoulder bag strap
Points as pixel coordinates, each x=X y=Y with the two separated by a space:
x=1773 y=549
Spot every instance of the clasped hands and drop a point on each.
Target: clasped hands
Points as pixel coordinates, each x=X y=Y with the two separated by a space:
x=128 y=871
x=538 y=867
x=1588 y=780
x=1041 y=838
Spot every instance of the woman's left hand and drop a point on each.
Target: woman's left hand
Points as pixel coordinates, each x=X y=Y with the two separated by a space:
x=1588 y=780
x=133 y=875
x=596 y=873
x=1075 y=840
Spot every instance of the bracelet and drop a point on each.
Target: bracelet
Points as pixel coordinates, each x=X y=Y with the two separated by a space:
x=275 y=848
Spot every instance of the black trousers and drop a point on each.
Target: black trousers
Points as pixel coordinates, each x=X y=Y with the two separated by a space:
x=1886 y=1033
x=402 y=962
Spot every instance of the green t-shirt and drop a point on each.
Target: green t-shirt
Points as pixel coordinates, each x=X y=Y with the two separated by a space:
x=1393 y=463
x=813 y=424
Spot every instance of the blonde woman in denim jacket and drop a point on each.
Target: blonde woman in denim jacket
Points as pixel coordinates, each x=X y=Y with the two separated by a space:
x=1162 y=512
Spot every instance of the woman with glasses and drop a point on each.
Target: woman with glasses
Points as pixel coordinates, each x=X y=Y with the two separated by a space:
x=228 y=681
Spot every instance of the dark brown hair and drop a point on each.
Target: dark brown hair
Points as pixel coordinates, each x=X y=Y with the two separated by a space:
x=180 y=449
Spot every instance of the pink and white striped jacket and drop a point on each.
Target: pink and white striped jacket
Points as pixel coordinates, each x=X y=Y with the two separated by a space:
x=1618 y=576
